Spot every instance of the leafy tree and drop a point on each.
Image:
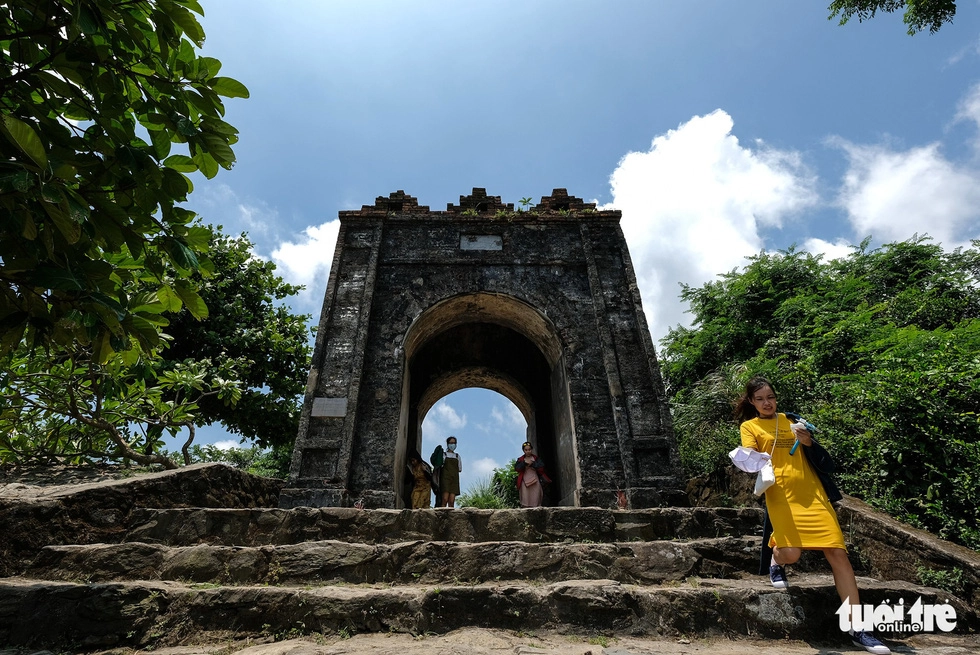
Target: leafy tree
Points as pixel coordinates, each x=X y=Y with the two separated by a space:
x=703 y=416
x=74 y=408
x=503 y=481
x=244 y=365
x=481 y=495
x=271 y=463
x=731 y=315
x=878 y=349
x=499 y=491
x=250 y=332
x=919 y=14
x=94 y=94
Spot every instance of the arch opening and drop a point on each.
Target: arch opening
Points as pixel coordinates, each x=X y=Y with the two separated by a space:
x=488 y=426
x=494 y=342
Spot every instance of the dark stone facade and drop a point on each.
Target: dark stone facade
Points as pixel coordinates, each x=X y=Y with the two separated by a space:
x=539 y=305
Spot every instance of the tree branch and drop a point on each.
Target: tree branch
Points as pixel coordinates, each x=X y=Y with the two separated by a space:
x=185 y=449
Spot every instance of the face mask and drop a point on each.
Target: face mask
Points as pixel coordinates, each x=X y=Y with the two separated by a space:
x=451 y=447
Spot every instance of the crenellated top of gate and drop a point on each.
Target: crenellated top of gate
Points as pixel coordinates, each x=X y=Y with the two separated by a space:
x=478 y=205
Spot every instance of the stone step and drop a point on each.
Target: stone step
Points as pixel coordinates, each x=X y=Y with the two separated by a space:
x=260 y=527
x=153 y=614
x=432 y=562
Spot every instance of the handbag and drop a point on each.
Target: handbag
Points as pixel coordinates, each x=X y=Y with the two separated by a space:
x=767 y=474
x=765 y=479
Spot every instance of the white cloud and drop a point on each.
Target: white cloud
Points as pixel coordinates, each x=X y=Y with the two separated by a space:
x=219 y=204
x=891 y=195
x=510 y=416
x=441 y=421
x=967 y=50
x=969 y=109
x=307 y=262
x=837 y=250
x=448 y=416
x=303 y=259
x=483 y=468
x=694 y=203
x=228 y=444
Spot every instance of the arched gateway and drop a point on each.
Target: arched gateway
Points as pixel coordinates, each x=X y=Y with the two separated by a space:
x=540 y=306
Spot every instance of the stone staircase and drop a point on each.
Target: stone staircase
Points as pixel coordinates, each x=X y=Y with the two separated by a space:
x=173 y=557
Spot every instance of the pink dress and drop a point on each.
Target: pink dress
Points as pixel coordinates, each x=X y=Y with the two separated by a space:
x=530 y=488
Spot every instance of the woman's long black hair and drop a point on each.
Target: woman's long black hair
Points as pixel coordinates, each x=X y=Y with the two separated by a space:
x=744 y=409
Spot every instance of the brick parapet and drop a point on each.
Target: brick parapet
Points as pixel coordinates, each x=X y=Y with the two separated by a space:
x=478 y=207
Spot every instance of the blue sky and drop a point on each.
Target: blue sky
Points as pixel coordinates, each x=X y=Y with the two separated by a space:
x=719 y=128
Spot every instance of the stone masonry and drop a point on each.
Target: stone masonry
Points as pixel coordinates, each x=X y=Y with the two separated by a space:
x=540 y=306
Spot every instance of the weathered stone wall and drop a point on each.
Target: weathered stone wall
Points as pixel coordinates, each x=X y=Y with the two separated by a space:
x=541 y=306
x=35 y=516
x=896 y=551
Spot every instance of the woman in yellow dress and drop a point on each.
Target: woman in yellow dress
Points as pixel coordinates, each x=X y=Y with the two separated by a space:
x=422 y=488
x=800 y=512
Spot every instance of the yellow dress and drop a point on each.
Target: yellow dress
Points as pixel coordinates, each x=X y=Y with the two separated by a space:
x=799 y=510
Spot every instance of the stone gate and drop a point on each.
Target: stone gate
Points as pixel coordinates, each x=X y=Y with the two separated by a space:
x=540 y=306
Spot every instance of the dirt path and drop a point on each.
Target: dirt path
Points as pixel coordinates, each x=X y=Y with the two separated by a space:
x=477 y=641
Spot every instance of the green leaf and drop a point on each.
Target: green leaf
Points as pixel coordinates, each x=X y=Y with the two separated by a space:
x=12 y=331
x=111 y=210
x=111 y=304
x=187 y=22
x=145 y=302
x=180 y=254
x=175 y=184
x=218 y=126
x=70 y=229
x=57 y=85
x=161 y=142
x=192 y=300
x=185 y=127
x=219 y=149
x=169 y=299
x=102 y=348
x=19 y=181
x=24 y=137
x=206 y=164
x=77 y=206
x=145 y=332
x=180 y=163
x=193 y=5
x=50 y=277
x=198 y=238
x=211 y=64
x=107 y=229
x=88 y=21
x=229 y=87
x=29 y=231
x=52 y=193
x=109 y=318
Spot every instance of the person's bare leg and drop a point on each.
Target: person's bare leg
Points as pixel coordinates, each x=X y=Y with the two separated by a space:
x=444 y=501
x=786 y=555
x=844 y=579
x=450 y=500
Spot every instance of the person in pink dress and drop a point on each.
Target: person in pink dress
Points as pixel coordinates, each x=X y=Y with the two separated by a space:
x=530 y=476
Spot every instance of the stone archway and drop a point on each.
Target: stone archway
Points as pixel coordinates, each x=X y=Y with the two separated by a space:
x=540 y=305
x=496 y=342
